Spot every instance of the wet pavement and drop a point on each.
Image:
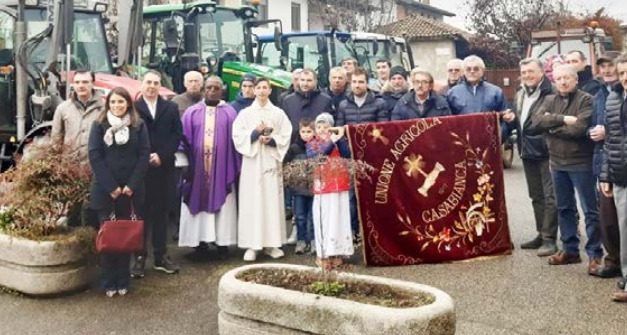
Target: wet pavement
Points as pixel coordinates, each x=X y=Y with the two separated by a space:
x=517 y=294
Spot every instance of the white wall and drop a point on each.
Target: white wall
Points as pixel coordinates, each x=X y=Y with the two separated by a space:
x=432 y=56
x=282 y=10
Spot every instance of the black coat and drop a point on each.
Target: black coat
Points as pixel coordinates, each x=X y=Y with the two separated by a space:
x=614 y=163
x=373 y=110
x=531 y=146
x=117 y=165
x=391 y=98
x=407 y=108
x=586 y=81
x=335 y=98
x=299 y=106
x=165 y=130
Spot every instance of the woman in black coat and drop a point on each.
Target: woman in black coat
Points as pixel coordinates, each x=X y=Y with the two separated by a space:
x=118 y=153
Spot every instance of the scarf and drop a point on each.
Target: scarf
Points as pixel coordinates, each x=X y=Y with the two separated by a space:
x=118 y=130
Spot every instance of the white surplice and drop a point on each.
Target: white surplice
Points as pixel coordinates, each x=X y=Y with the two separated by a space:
x=332 y=224
x=261 y=219
x=209 y=227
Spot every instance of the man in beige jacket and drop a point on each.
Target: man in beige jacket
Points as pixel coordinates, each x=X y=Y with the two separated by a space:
x=73 y=118
x=71 y=123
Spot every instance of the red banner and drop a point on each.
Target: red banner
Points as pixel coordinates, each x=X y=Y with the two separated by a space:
x=437 y=192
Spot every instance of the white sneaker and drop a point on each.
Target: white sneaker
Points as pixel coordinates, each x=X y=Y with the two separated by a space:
x=291 y=240
x=274 y=252
x=301 y=246
x=250 y=255
x=122 y=291
x=110 y=293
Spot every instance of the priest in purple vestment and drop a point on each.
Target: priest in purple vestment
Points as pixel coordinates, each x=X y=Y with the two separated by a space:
x=209 y=209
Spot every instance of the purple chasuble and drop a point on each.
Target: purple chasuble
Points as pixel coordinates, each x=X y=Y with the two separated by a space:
x=209 y=189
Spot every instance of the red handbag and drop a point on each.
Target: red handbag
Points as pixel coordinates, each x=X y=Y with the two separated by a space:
x=121 y=236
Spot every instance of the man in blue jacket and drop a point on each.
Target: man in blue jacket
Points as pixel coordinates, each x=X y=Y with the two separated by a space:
x=475 y=95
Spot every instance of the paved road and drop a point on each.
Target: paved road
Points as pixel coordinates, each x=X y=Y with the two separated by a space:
x=518 y=294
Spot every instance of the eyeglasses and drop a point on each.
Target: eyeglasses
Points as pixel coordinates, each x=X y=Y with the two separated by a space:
x=213 y=88
x=421 y=82
x=454 y=70
x=473 y=69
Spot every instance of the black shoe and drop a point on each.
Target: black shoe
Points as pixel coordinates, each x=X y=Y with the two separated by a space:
x=621 y=283
x=198 y=255
x=223 y=252
x=165 y=265
x=607 y=272
x=536 y=243
x=139 y=266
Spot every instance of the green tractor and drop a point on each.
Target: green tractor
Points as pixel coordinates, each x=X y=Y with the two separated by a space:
x=182 y=37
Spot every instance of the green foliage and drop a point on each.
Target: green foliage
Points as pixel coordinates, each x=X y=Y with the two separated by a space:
x=327 y=288
x=6 y=218
x=39 y=191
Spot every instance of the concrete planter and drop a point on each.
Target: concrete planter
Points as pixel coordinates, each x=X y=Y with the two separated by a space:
x=43 y=267
x=248 y=308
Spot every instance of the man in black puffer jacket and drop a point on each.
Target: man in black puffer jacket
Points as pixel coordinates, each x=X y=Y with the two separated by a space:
x=361 y=105
x=613 y=177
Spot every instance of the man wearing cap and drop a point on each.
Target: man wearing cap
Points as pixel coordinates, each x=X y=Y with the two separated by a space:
x=607 y=210
x=422 y=101
x=395 y=88
x=246 y=94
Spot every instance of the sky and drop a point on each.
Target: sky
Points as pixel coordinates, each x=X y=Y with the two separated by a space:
x=617 y=8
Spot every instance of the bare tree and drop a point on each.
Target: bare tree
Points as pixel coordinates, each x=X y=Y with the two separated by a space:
x=354 y=15
x=512 y=21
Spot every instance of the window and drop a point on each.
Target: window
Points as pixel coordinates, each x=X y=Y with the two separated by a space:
x=295 y=16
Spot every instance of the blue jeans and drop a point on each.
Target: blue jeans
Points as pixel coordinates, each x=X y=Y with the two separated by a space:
x=565 y=183
x=354 y=212
x=303 y=217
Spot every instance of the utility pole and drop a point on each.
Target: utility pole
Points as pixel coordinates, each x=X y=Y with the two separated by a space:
x=20 y=71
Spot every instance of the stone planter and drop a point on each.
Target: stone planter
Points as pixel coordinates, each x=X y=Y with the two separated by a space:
x=248 y=308
x=43 y=267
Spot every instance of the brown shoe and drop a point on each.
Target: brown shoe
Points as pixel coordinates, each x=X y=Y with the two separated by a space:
x=594 y=264
x=562 y=258
x=620 y=296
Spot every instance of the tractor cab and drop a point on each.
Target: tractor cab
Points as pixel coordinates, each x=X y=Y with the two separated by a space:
x=319 y=51
x=182 y=37
x=370 y=47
